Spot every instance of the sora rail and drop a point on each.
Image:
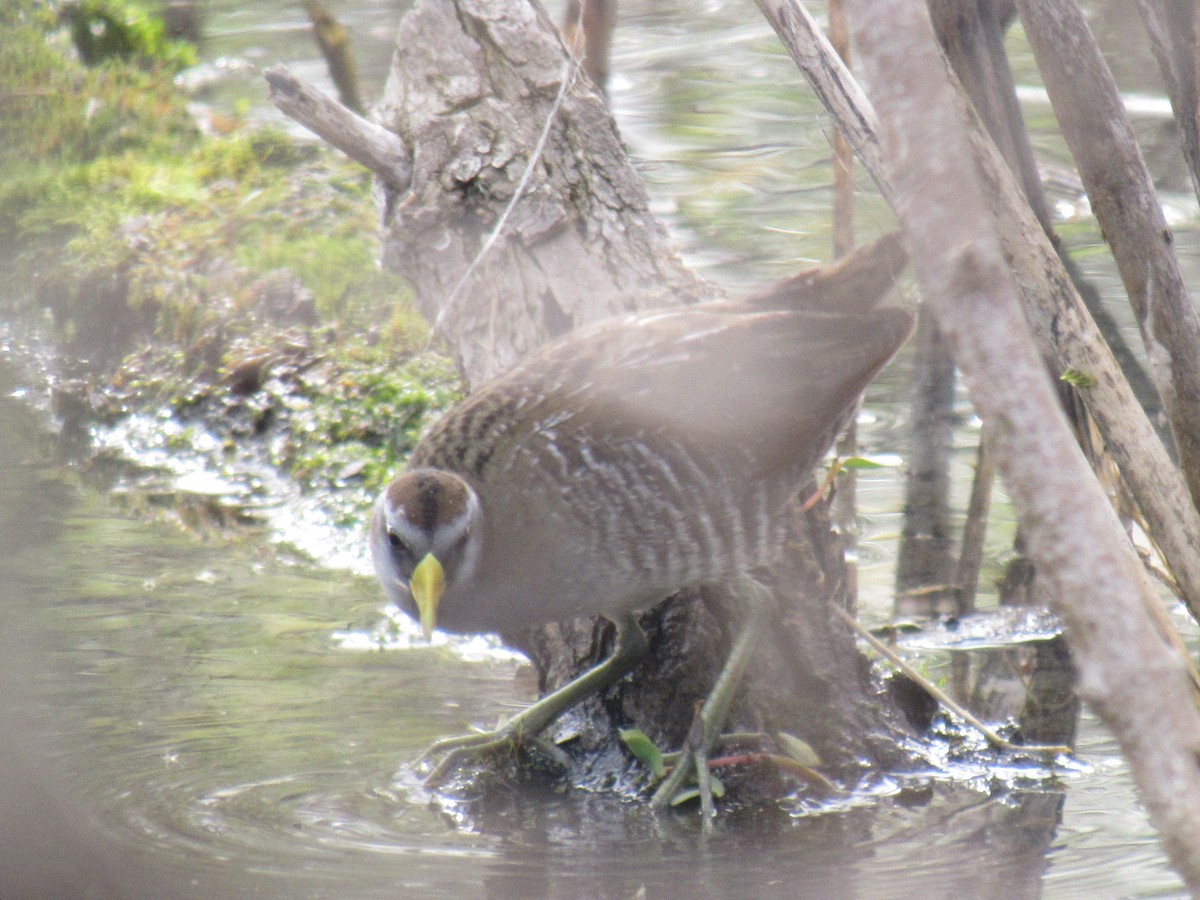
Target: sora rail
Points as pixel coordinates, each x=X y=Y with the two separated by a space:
x=634 y=458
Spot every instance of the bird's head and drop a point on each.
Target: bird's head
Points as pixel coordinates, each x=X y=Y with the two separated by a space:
x=426 y=538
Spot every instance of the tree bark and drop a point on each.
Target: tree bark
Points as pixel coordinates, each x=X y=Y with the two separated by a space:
x=1098 y=132
x=1171 y=25
x=524 y=218
x=1127 y=669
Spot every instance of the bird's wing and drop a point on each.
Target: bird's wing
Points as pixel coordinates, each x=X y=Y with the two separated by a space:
x=723 y=375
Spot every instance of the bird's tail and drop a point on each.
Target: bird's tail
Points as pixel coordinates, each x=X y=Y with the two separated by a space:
x=855 y=284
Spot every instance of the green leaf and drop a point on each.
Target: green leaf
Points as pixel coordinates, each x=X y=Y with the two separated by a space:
x=643 y=749
x=1077 y=378
x=718 y=786
x=798 y=750
x=693 y=792
x=861 y=462
x=685 y=795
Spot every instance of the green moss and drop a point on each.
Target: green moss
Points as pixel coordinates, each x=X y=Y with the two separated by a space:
x=187 y=264
x=365 y=417
x=104 y=177
x=124 y=30
x=57 y=110
x=331 y=266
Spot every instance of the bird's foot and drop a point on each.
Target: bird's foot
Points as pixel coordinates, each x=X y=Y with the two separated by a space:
x=450 y=754
x=522 y=730
x=692 y=764
x=710 y=718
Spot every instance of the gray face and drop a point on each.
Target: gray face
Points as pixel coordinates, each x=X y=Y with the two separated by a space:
x=393 y=565
x=425 y=512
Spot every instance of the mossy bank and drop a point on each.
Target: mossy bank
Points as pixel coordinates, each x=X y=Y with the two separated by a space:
x=196 y=268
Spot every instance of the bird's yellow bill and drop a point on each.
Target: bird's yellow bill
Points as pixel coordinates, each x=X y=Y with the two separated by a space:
x=427 y=584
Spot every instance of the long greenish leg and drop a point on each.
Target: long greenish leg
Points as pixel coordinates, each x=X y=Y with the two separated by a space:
x=715 y=711
x=630 y=648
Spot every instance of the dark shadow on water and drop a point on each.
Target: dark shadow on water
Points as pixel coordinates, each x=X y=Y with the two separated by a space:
x=953 y=841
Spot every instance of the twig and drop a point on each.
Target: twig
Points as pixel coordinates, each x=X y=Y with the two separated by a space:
x=824 y=487
x=942 y=697
x=831 y=80
x=970 y=556
x=366 y=143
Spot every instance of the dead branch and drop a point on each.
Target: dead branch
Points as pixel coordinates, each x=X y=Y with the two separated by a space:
x=830 y=79
x=1127 y=670
x=1064 y=328
x=1172 y=29
x=364 y=142
x=1100 y=137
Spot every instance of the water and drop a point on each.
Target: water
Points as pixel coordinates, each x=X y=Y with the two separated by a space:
x=193 y=711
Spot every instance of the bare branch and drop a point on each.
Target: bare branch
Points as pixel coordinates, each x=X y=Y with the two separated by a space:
x=833 y=83
x=1127 y=669
x=1172 y=31
x=378 y=149
x=1064 y=328
x=1098 y=132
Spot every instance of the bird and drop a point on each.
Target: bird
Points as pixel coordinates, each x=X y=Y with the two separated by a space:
x=630 y=459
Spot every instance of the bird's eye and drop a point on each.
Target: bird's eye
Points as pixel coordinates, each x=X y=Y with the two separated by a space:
x=396 y=541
